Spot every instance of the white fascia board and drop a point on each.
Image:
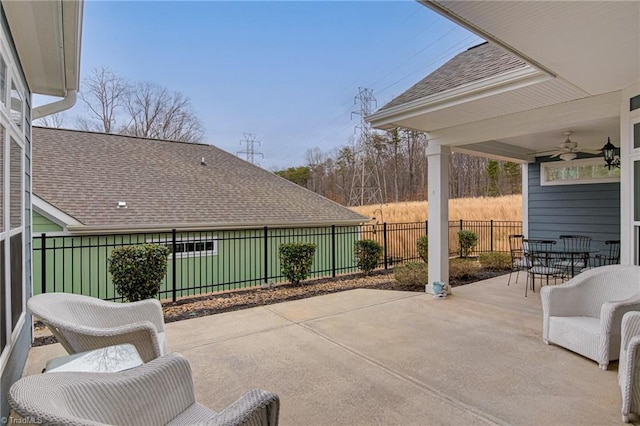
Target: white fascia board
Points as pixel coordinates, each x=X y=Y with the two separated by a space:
x=124 y=229
x=53 y=213
x=511 y=80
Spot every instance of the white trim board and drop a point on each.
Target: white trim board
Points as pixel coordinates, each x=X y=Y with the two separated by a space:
x=53 y=213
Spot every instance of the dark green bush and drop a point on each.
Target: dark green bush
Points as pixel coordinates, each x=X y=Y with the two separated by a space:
x=368 y=254
x=467 y=240
x=495 y=261
x=296 y=260
x=423 y=248
x=412 y=273
x=463 y=268
x=138 y=270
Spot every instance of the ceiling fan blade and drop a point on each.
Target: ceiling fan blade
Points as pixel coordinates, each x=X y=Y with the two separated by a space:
x=556 y=154
x=589 y=151
x=541 y=153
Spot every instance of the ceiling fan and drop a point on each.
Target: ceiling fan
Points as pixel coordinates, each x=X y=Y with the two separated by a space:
x=567 y=150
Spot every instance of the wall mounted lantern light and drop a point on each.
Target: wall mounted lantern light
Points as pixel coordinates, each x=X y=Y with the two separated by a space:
x=611 y=155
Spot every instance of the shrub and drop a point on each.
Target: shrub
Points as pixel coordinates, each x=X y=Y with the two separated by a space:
x=368 y=254
x=296 y=260
x=423 y=248
x=495 y=261
x=412 y=273
x=463 y=268
x=468 y=240
x=138 y=270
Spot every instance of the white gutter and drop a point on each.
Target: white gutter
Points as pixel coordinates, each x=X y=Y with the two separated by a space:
x=58 y=106
x=150 y=228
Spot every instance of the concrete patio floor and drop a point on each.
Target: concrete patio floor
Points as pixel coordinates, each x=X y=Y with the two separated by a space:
x=366 y=357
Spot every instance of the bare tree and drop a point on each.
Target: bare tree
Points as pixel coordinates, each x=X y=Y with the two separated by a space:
x=155 y=112
x=104 y=93
x=55 y=121
x=144 y=109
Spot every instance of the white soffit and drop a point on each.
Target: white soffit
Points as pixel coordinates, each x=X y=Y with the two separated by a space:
x=47 y=38
x=593 y=45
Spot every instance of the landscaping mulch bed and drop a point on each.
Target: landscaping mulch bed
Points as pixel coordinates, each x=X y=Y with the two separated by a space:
x=242 y=299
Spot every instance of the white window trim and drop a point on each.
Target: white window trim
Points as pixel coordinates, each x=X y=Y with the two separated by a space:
x=189 y=254
x=582 y=162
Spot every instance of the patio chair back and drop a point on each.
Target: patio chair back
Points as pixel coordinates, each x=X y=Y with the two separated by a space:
x=157 y=393
x=613 y=258
x=540 y=260
x=518 y=261
x=82 y=323
x=576 y=242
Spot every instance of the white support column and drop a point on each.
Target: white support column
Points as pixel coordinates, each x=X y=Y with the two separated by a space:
x=438 y=202
x=525 y=200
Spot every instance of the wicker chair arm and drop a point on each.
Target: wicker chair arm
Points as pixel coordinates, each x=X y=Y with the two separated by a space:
x=630 y=328
x=256 y=407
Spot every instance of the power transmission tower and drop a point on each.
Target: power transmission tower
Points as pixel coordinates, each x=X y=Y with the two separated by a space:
x=250 y=150
x=365 y=187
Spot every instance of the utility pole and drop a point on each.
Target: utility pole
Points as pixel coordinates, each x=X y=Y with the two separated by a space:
x=250 y=151
x=365 y=188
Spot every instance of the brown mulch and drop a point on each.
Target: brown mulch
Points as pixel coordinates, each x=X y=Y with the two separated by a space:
x=217 y=303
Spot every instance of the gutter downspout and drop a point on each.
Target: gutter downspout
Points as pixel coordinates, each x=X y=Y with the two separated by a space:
x=65 y=103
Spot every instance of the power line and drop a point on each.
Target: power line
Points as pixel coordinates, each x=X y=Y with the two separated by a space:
x=249 y=151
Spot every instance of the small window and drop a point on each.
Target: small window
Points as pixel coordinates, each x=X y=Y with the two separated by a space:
x=191 y=248
x=576 y=172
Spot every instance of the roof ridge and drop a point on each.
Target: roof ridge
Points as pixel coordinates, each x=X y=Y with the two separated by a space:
x=93 y=132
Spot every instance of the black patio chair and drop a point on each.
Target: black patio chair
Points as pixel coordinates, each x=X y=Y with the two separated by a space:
x=518 y=261
x=540 y=260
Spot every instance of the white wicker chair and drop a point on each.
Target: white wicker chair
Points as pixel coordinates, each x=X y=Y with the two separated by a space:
x=158 y=393
x=584 y=314
x=629 y=367
x=82 y=323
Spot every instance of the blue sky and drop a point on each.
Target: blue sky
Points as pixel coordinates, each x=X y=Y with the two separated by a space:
x=285 y=71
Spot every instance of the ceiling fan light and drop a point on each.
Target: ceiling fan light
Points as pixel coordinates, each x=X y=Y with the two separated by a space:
x=568 y=156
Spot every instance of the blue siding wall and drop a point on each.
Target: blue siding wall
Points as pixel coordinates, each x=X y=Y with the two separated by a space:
x=591 y=209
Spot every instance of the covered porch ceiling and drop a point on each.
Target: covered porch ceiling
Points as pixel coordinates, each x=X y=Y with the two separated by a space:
x=580 y=56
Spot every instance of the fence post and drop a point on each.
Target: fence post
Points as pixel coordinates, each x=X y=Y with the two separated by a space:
x=266 y=255
x=174 y=263
x=43 y=272
x=460 y=245
x=426 y=227
x=384 y=245
x=333 y=251
x=491 y=236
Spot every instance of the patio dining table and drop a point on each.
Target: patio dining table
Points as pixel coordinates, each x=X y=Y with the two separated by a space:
x=573 y=256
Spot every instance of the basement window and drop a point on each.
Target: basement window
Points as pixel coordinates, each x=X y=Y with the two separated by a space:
x=577 y=172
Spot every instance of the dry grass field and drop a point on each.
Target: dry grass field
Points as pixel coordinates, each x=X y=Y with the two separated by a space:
x=401 y=239
x=508 y=207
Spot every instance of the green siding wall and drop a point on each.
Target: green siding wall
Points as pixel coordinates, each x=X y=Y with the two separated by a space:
x=79 y=264
x=42 y=224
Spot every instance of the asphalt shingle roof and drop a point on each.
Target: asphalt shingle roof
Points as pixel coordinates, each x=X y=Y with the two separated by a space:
x=86 y=174
x=477 y=63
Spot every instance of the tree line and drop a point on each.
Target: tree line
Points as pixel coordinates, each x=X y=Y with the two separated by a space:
x=116 y=105
x=395 y=165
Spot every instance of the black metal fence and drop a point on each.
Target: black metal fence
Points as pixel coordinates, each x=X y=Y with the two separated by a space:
x=218 y=260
